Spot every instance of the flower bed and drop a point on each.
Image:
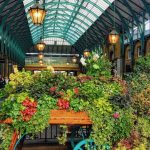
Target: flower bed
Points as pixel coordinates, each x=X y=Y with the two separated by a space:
x=32 y=102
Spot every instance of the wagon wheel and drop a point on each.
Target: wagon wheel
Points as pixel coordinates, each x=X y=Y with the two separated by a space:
x=18 y=141
x=83 y=135
x=87 y=144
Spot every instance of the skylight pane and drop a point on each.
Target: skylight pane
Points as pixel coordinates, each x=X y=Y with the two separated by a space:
x=52 y=41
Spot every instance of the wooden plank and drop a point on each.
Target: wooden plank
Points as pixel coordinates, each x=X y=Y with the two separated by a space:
x=69 y=117
x=65 y=117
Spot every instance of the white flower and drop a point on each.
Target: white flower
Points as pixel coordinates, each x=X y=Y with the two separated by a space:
x=95 y=57
x=82 y=60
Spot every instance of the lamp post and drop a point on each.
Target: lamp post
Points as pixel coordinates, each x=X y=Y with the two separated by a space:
x=37 y=14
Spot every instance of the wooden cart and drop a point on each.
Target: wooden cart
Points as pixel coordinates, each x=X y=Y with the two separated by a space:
x=57 y=117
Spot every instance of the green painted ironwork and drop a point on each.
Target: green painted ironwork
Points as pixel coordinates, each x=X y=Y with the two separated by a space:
x=75 y=17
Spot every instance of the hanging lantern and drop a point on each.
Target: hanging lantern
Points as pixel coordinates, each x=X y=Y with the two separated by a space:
x=74 y=59
x=37 y=13
x=86 y=53
x=113 y=37
x=40 y=46
x=40 y=62
x=40 y=56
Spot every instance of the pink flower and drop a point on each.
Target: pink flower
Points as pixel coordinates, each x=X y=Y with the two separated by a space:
x=116 y=115
x=52 y=89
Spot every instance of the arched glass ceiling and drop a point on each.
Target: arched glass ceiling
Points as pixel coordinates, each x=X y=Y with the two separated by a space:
x=67 y=19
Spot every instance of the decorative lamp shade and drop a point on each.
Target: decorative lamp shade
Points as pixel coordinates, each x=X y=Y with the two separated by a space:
x=113 y=37
x=40 y=46
x=40 y=62
x=74 y=59
x=37 y=14
x=40 y=56
x=86 y=53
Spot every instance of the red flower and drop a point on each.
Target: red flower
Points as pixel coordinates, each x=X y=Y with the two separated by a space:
x=76 y=91
x=30 y=109
x=52 y=89
x=63 y=104
x=116 y=115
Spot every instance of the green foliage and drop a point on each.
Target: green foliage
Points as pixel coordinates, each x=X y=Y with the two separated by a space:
x=143 y=64
x=13 y=106
x=143 y=126
x=123 y=101
x=63 y=135
x=139 y=87
x=98 y=66
x=85 y=93
x=41 y=118
x=107 y=129
x=100 y=112
x=6 y=132
x=45 y=80
x=19 y=81
x=123 y=125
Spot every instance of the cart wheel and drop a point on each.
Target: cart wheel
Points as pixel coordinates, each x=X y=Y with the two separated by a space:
x=18 y=141
x=87 y=144
x=81 y=133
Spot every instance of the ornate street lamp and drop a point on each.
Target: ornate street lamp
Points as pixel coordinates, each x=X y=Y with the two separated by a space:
x=40 y=56
x=113 y=37
x=40 y=46
x=37 y=13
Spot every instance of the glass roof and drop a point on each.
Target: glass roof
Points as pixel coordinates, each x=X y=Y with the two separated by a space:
x=67 y=19
x=55 y=41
